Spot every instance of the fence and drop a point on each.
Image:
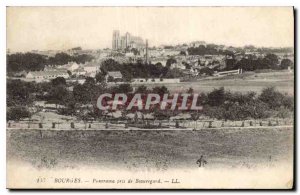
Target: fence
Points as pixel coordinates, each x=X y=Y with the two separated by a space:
x=165 y=124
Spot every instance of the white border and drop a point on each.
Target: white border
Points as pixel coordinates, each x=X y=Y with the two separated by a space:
x=4 y=3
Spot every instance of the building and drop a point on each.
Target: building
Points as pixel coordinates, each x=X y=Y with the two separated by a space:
x=43 y=76
x=71 y=66
x=197 y=43
x=127 y=41
x=178 y=65
x=79 y=72
x=146 y=55
x=154 y=80
x=230 y=72
x=91 y=68
x=115 y=40
x=114 y=75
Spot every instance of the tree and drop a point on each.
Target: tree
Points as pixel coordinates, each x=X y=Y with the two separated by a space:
x=81 y=94
x=174 y=73
x=89 y=82
x=110 y=79
x=190 y=90
x=57 y=94
x=58 y=81
x=109 y=65
x=271 y=61
x=19 y=92
x=122 y=88
x=183 y=53
x=230 y=64
x=285 y=63
x=35 y=62
x=142 y=89
x=206 y=71
x=216 y=97
x=271 y=97
x=125 y=88
x=170 y=61
x=69 y=73
x=25 y=61
x=81 y=59
x=17 y=112
x=60 y=59
x=160 y=90
x=100 y=77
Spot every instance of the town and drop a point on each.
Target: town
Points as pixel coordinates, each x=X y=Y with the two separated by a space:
x=158 y=97
x=68 y=82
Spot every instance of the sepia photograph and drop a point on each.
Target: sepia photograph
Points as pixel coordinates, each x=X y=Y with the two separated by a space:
x=150 y=97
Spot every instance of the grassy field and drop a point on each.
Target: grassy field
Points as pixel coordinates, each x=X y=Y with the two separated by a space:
x=249 y=81
x=150 y=150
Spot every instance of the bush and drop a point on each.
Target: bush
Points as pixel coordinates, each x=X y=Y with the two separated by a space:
x=255 y=109
x=160 y=90
x=288 y=102
x=142 y=89
x=214 y=112
x=17 y=113
x=122 y=88
x=284 y=113
x=216 y=97
x=234 y=110
x=275 y=100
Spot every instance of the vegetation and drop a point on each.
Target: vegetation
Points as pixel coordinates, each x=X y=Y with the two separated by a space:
x=34 y=62
x=285 y=63
x=17 y=112
x=219 y=104
x=209 y=49
x=226 y=105
x=270 y=61
x=137 y=70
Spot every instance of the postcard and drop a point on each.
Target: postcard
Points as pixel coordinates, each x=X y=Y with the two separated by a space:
x=150 y=97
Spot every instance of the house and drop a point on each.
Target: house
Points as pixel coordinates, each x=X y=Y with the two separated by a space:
x=75 y=80
x=90 y=74
x=178 y=65
x=20 y=74
x=71 y=66
x=91 y=68
x=79 y=72
x=42 y=76
x=154 y=80
x=114 y=75
x=230 y=72
x=191 y=72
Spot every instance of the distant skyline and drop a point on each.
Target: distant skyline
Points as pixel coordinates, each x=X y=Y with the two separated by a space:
x=60 y=28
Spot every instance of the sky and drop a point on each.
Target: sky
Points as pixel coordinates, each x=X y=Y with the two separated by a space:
x=60 y=28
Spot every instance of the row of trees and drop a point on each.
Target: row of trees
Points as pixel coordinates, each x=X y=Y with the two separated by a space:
x=33 y=62
x=270 y=61
x=138 y=70
x=213 y=49
x=209 y=49
x=226 y=105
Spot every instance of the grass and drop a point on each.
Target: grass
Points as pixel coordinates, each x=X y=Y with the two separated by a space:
x=249 y=81
x=150 y=150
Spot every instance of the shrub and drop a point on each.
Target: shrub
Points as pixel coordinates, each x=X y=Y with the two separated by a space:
x=214 y=112
x=17 y=113
x=216 y=97
x=284 y=113
x=275 y=99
